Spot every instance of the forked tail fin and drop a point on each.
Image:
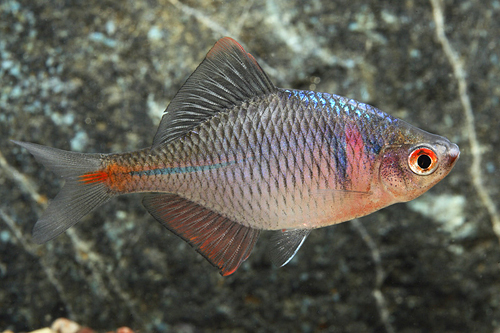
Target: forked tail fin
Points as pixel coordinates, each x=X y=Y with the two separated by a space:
x=85 y=188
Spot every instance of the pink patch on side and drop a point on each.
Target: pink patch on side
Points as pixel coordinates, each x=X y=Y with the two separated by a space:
x=358 y=163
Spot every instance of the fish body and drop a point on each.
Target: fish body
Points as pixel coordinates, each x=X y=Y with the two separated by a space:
x=235 y=155
x=283 y=161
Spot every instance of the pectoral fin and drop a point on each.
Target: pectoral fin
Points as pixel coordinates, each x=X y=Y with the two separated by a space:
x=224 y=243
x=285 y=244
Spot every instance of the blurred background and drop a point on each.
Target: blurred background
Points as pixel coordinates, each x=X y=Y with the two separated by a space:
x=95 y=76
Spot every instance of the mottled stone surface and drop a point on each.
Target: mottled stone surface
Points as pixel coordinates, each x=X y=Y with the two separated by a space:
x=95 y=76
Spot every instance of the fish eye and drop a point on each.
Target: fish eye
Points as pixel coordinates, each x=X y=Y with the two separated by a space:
x=422 y=161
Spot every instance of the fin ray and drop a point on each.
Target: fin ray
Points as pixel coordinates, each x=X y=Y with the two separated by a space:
x=227 y=77
x=74 y=201
x=285 y=245
x=224 y=243
x=83 y=191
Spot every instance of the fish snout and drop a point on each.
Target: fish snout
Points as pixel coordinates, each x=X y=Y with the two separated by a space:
x=453 y=153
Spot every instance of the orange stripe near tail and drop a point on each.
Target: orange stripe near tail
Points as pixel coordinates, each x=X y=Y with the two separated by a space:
x=116 y=177
x=94 y=177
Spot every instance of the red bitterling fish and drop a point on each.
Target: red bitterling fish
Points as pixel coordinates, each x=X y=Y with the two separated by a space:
x=235 y=155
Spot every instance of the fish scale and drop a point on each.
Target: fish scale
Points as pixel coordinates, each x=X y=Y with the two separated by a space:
x=285 y=126
x=234 y=155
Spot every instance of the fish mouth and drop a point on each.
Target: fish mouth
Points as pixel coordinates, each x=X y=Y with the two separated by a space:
x=453 y=153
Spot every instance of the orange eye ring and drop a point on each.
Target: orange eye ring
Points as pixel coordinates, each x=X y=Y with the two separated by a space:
x=423 y=161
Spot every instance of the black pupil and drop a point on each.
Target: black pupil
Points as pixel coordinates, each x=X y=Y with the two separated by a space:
x=424 y=161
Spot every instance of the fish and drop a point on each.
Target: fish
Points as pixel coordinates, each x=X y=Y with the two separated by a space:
x=234 y=155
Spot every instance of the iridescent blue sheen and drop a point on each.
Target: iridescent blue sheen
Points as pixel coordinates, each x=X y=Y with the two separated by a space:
x=364 y=116
x=338 y=104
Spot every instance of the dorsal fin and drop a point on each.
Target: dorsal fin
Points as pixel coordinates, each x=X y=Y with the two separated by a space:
x=227 y=77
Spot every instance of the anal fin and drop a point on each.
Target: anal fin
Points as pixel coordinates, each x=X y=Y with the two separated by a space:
x=285 y=244
x=224 y=243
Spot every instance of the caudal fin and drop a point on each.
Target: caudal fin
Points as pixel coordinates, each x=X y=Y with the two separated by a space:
x=84 y=190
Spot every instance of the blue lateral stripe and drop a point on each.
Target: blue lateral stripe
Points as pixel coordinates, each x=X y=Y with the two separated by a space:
x=177 y=170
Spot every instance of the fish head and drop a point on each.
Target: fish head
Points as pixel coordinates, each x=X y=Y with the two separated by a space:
x=415 y=162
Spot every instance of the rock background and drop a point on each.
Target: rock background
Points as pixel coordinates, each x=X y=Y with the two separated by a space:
x=95 y=76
